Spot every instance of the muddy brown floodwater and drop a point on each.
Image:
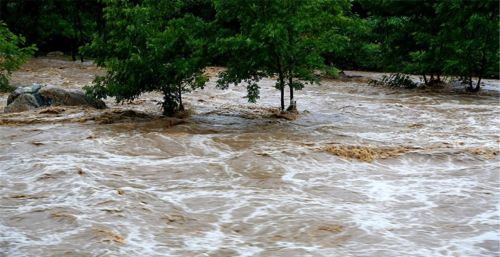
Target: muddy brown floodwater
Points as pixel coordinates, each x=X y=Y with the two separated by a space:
x=363 y=171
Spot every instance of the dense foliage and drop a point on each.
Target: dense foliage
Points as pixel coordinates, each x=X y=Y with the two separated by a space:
x=470 y=34
x=12 y=54
x=151 y=46
x=359 y=48
x=278 y=38
x=164 y=45
x=54 y=25
x=438 y=37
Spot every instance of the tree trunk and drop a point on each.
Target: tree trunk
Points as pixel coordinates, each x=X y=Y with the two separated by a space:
x=281 y=79
x=425 y=80
x=293 y=105
x=181 y=106
x=168 y=104
x=282 y=89
x=282 y=97
x=480 y=73
x=478 y=86
x=470 y=88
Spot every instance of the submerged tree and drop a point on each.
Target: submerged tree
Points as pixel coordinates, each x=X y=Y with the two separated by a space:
x=12 y=54
x=150 y=46
x=283 y=38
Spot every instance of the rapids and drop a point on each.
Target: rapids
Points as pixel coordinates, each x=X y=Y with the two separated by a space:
x=232 y=180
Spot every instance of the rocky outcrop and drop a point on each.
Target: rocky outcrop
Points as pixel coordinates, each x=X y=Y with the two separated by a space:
x=35 y=96
x=33 y=90
x=24 y=102
x=59 y=96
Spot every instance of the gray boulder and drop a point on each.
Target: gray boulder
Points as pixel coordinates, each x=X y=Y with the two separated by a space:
x=60 y=96
x=24 y=102
x=27 y=98
x=23 y=90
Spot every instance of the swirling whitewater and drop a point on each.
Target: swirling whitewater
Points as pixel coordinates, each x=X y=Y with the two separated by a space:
x=234 y=182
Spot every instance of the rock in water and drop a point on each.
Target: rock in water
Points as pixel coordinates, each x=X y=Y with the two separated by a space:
x=59 y=96
x=23 y=90
x=27 y=98
x=24 y=102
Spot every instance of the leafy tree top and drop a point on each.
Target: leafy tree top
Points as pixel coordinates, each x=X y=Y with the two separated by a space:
x=278 y=37
x=150 y=46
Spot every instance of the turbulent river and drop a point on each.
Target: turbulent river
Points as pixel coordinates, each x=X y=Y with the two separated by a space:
x=363 y=171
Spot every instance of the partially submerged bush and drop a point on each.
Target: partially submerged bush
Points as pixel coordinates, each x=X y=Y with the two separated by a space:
x=395 y=80
x=331 y=72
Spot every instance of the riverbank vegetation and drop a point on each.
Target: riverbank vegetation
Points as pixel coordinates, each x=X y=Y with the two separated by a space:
x=163 y=46
x=12 y=55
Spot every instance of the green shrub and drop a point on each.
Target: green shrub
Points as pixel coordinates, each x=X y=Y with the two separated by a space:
x=332 y=72
x=395 y=80
x=12 y=55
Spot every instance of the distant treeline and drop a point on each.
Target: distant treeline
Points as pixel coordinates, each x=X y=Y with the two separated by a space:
x=383 y=35
x=54 y=25
x=163 y=45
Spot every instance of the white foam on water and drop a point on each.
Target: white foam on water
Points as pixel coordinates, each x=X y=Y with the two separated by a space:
x=222 y=184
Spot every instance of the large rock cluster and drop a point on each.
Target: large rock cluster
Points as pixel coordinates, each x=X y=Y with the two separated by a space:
x=36 y=96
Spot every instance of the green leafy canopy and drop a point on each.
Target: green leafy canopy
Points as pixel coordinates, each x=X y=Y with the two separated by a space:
x=150 y=46
x=283 y=38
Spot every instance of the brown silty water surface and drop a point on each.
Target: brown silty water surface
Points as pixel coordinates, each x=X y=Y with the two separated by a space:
x=363 y=171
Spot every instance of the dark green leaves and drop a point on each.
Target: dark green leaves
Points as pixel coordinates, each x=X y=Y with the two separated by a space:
x=279 y=38
x=150 y=46
x=438 y=37
x=12 y=54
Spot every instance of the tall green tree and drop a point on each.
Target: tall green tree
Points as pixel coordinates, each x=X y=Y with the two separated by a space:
x=408 y=33
x=147 y=46
x=282 y=38
x=470 y=31
x=358 y=49
x=436 y=37
x=13 y=53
